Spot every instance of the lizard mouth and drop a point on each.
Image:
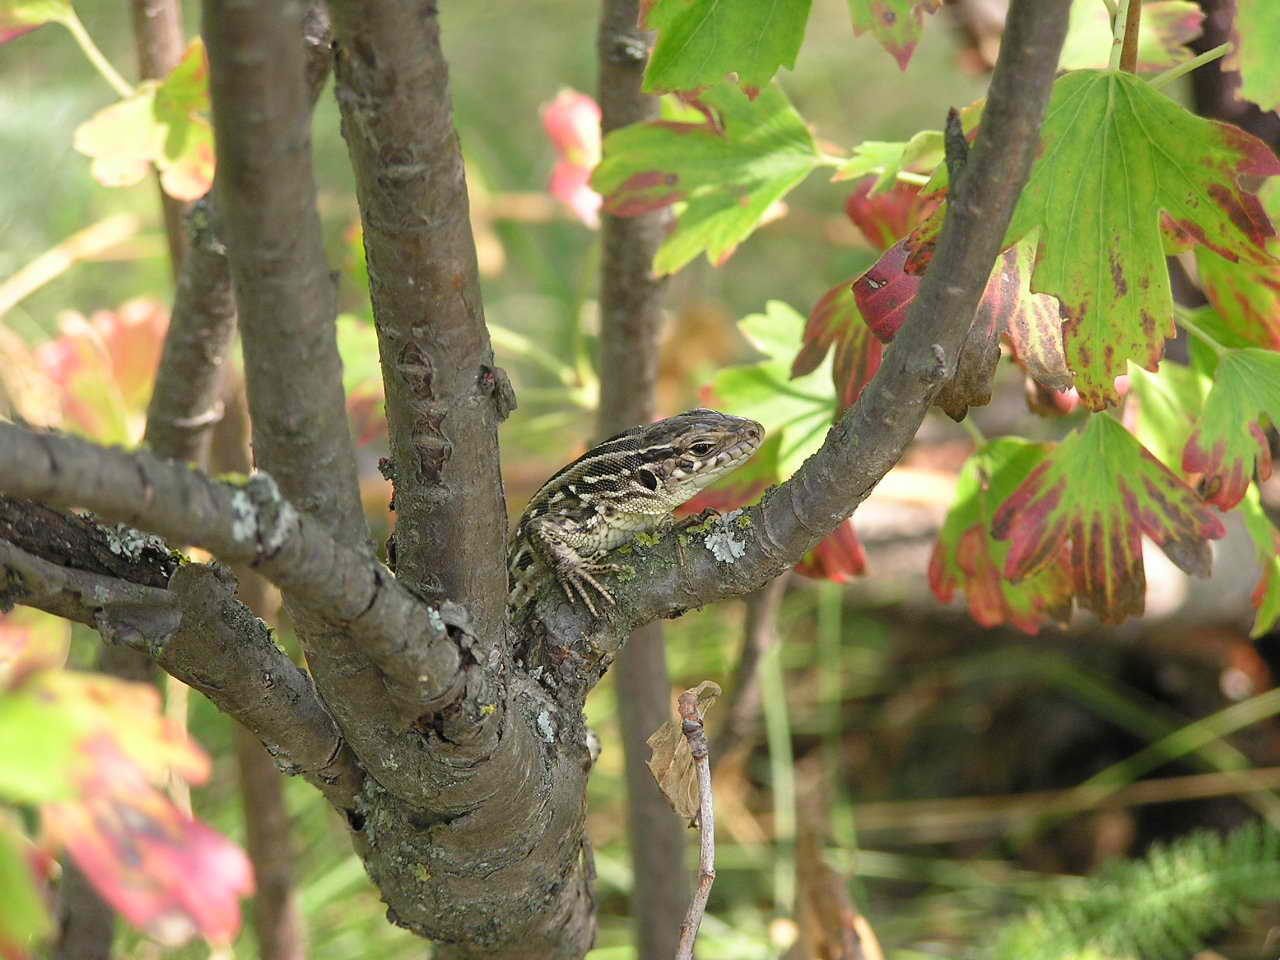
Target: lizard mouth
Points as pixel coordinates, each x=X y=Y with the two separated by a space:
x=742 y=450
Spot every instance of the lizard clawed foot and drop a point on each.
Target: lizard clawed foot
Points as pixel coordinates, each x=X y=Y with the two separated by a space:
x=577 y=580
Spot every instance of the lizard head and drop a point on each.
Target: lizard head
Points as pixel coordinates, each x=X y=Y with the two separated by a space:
x=679 y=456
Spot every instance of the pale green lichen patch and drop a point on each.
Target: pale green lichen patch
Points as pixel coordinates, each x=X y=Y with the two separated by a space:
x=645 y=539
x=722 y=543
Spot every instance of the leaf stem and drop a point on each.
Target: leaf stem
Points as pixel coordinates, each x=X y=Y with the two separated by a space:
x=1183 y=317
x=1173 y=73
x=975 y=432
x=1112 y=10
x=95 y=56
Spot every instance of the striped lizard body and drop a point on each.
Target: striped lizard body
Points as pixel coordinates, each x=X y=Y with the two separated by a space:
x=623 y=486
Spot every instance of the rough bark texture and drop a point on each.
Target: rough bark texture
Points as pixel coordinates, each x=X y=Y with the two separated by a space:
x=445 y=396
x=630 y=327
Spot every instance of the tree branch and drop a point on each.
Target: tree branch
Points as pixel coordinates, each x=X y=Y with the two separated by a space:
x=871 y=437
x=444 y=395
x=253 y=524
x=199 y=633
x=266 y=195
x=159 y=40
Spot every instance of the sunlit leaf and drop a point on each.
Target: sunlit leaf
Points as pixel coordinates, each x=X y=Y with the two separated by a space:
x=729 y=170
x=700 y=42
x=1266 y=595
x=164 y=123
x=1115 y=153
x=1229 y=439
x=967 y=557
x=1100 y=490
x=1257 y=38
x=1166 y=27
x=1163 y=407
x=896 y=24
x=886 y=160
x=30 y=641
x=164 y=871
x=37 y=748
x=24 y=917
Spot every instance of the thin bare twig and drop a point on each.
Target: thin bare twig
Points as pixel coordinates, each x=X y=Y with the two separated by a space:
x=695 y=733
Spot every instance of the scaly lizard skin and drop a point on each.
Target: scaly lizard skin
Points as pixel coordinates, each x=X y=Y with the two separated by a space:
x=626 y=485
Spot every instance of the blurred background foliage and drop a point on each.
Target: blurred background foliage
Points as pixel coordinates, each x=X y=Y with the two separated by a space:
x=933 y=761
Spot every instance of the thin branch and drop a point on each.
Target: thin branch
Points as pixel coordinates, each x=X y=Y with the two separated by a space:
x=872 y=436
x=251 y=524
x=185 y=402
x=444 y=394
x=159 y=39
x=691 y=724
x=1129 y=50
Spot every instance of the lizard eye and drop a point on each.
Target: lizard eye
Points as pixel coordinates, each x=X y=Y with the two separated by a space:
x=648 y=478
x=702 y=448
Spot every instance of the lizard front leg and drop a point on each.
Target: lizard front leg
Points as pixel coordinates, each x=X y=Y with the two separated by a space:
x=573 y=571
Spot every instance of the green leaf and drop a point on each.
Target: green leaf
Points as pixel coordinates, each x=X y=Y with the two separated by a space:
x=1167 y=26
x=38 y=747
x=728 y=170
x=23 y=915
x=886 y=160
x=967 y=556
x=700 y=42
x=798 y=411
x=1100 y=489
x=1229 y=438
x=1257 y=38
x=896 y=24
x=165 y=124
x=1166 y=404
x=1115 y=153
x=1266 y=595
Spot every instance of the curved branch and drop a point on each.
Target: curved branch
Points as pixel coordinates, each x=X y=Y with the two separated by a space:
x=872 y=436
x=421 y=664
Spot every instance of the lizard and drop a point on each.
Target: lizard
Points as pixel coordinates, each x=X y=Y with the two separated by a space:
x=623 y=486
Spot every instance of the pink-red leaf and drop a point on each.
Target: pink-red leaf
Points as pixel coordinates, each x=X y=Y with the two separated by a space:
x=835 y=320
x=896 y=24
x=967 y=557
x=1100 y=490
x=572 y=123
x=165 y=872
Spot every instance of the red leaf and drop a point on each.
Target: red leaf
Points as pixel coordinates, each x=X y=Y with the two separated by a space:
x=836 y=320
x=838 y=558
x=886 y=216
x=164 y=871
x=572 y=122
